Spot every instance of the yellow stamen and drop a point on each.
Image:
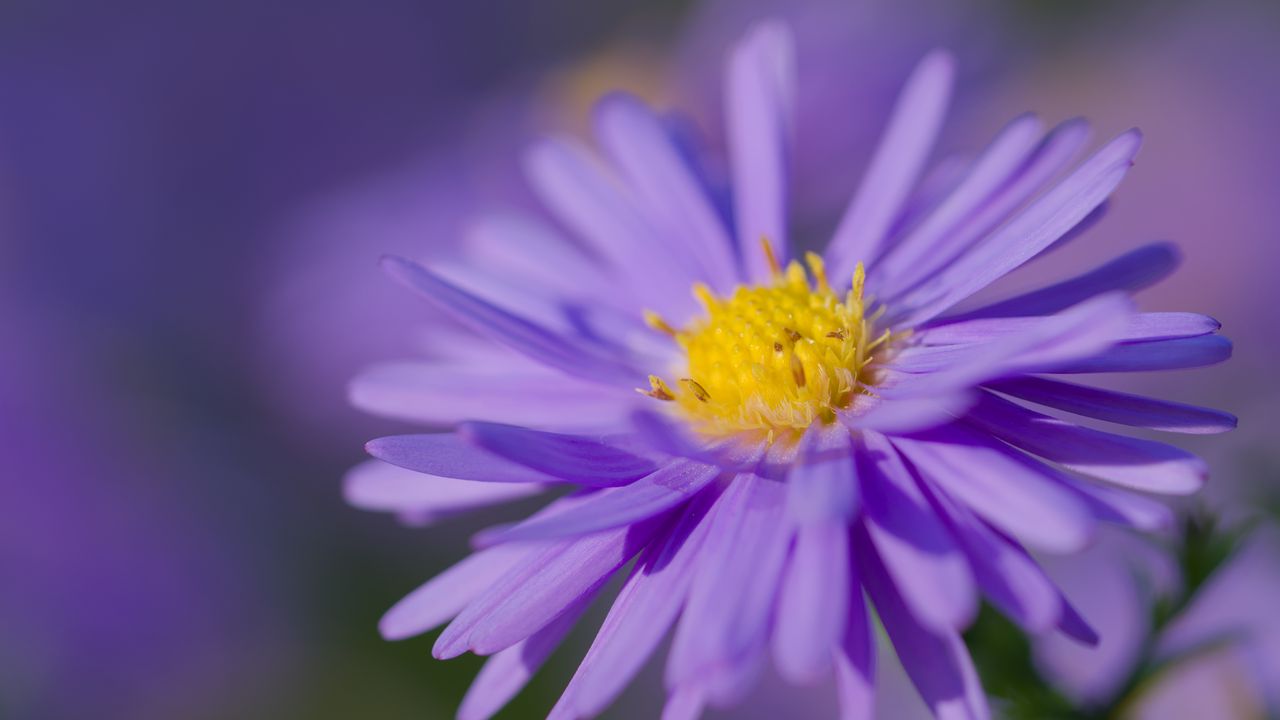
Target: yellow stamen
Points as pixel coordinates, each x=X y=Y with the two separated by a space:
x=769 y=257
x=655 y=321
x=819 y=270
x=705 y=296
x=658 y=389
x=777 y=357
x=698 y=391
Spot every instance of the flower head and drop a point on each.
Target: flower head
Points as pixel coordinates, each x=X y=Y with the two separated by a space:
x=803 y=433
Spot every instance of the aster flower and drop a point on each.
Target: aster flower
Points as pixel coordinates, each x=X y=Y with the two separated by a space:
x=816 y=441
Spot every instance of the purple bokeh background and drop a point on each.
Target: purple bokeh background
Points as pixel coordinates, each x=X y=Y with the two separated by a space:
x=193 y=198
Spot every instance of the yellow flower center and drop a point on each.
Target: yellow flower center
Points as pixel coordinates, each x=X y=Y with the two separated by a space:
x=772 y=358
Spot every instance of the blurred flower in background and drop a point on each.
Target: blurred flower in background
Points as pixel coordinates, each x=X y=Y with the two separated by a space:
x=165 y=175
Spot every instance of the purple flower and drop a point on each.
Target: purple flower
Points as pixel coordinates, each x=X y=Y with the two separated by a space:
x=807 y=446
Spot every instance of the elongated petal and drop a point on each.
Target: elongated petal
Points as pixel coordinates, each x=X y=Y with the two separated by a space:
x=814 y=603
x=736 y=582
x=934 y=255
x=507 y=672
x=523 y=247
x=1132 y=462
x=729 y=683
x=667 y=187
x=936 y=661
x=592 y=202
x=822 y=498
x=653 y=494
x=447 y=455
x=942 y=234
x=1117 y=407
x=895 y=168
x=1010 y=578
x=856 y=659
x=1141 y=327
x=557 y=351
x=821 y=486
x=911 y=412
x=920 y=554
x=641 y=615
x=759 y=102
x=449 y=394
x=446 y=594
x=1120 y=506
x=1133 y=271
x=1003 y=486
x=1029 y=233
x=1157 y=355
x=684 y=703
x=539 y=588
x=583 y=460
x=1050 y=343
x=375 y=485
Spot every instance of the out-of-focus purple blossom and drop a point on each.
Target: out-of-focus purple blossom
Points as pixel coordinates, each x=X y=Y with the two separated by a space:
x=1113 y=584
x=1220 y=657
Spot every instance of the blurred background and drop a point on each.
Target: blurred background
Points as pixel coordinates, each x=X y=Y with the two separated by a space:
x=193 y=198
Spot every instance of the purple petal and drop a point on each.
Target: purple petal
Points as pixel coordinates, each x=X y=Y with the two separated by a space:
x=1130 y=272
x=375 y=485
x=665 y=184
x=575 y=458
x=450 y=456
x=1116 y=505
x=895 y=168
x=920 y=555
x=936 y=661
x=656 y=493
x=759 y=102
x=1110 y=585
x=541 y=307
x=1142 y=327
x=1027 y=234
x=934 y=254
x=557 y=351
x=643 y=612
x=898 y=415
x=1007 y=574
x=1008 y=489
x=1117 y=407
x=1074 y=626
x=940 y=231
x=727 y=684
x=813 y=606
x=668 y=436
x=446 y=594
x=685 y=703
x=523 y=247
x=507 y=672
x=1046 y=344
x=589 y=199
x=821 y=486
x=449 y=394
x=737 y=579
x=1158 y=355
x=1132 y=462
x=856 y=659
x=539 y=588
